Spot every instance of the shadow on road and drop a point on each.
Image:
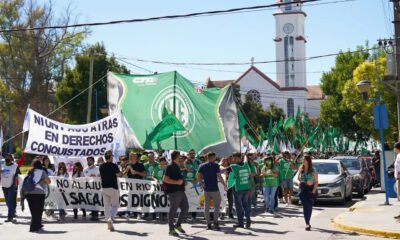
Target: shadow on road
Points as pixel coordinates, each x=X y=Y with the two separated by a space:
x=51 y=232
x=334 y=232
x=131 y=233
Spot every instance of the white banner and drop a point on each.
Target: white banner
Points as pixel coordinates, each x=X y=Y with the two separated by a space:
x=49 y=137
x=135 y=195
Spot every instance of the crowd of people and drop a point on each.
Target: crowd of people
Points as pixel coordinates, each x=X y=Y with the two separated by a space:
x=243 y=177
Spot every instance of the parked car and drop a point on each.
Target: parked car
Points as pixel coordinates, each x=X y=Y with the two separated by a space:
x=370 y=165
x=359 y=171
x=334 y=182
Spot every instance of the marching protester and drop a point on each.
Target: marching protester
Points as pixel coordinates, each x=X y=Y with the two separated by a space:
x=225 y=171
x=190 y=167
x=100 y=160
x=270 y=182
x=109 y=183
x=150 y=166
x=254 y=179
x=308 y=178
x=77 y=173
x=158 y=175
x=175 y=189
x=62 y=172
x=208 y=176
x=48 y=167
x=287 y=169
x=92 y=171
x=397 y=170
x=242 y=173
x=135 y=170
x=9 y=175
x=36 y=196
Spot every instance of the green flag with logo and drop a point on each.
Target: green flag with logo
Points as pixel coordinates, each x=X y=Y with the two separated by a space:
x=166 y=128
x=209 y=116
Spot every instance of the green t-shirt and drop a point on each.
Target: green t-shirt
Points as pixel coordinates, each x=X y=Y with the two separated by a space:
x=158 y=173
x=242 y=176
x=269 y=180
x=190 y=175
x=285 y=169
x=150 y=169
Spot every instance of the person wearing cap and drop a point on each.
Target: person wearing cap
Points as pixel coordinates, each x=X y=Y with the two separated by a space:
x=9 y=175
x=109 y=172
x=287 y=170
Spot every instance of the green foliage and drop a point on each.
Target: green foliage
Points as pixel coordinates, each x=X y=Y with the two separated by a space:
x=334 y=111
x=77 y=79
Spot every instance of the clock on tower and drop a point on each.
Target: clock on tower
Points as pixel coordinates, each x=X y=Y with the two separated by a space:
x=290 y=44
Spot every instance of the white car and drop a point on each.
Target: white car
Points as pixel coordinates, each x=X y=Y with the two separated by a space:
x=334 y=182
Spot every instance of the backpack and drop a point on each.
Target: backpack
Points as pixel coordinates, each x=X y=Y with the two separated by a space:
x=29 y=183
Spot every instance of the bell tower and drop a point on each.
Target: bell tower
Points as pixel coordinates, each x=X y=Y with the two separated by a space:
x=290 y=44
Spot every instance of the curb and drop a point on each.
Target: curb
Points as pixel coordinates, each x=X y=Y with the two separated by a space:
x=338 y=224
x=3 y=200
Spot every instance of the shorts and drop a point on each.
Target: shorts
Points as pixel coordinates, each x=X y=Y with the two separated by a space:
x=287 y=183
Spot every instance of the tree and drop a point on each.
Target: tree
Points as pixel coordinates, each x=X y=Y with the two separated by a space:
x=77 y=80
x=32 y=62
x=363 y=110
x=334 y=111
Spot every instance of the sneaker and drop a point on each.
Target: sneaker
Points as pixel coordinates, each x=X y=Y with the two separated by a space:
x=216 y=227
x=173 y=233
x=209 y=226
x=248 y=225
x=180 y=229
x=238 y=225
x=9 y=220
x=110 y=226
x=231 y=216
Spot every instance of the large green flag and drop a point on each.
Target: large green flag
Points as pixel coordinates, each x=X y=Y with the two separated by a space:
x=277 y=148
x=166 y=128
x=209 y=116
x=270 y=133
x=251 y=139
x=288 y=123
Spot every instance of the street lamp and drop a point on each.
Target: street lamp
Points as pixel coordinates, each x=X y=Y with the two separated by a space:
x=380 y=122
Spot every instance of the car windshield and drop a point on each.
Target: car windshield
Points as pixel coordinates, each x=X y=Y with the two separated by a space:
x=327 y=168
x=351 y=164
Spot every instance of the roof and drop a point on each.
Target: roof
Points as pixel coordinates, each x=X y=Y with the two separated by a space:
x=218 y=84
x=325 y=160
x=315 y=92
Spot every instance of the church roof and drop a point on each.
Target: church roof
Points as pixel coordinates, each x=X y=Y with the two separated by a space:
x=315 y=92
x=218 y=83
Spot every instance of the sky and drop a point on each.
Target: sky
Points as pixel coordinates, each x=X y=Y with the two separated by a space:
x=329 y=28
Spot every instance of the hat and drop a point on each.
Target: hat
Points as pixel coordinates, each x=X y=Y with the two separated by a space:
x=143 y=158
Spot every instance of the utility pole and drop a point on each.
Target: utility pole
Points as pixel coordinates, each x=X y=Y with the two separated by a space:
x=395 y=87
x=89 y=111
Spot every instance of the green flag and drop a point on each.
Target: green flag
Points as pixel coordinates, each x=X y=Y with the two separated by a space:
x=242 y=123
x=306 y=124
x=297 y=119
x=251 y=139
x=165 y=129
x=270 y=132
x=231 y=180
x=288 y=123
x=277 y=149
x=263 y=136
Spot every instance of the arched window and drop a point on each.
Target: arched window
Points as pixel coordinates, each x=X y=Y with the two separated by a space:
x=255 y=95
x=290 y=107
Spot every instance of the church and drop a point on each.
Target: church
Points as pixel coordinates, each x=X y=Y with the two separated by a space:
x=290 y=90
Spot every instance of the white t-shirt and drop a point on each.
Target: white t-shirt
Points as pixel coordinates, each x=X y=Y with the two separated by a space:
x=91 y=172
x=8 y=175
x=397 y=166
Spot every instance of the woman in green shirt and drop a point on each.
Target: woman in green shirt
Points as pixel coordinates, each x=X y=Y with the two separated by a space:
x=270 y=182
x=308 y=178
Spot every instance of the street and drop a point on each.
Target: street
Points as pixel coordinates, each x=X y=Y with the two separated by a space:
x=289 y=225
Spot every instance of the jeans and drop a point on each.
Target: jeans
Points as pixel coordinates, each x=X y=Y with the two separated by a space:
x=378 y=174
x=242 y=206
x=177 y=200
x=216 y=196
x=269 y=197
x=111 y=203
x=307 y=202
x=36 y=205
x=230 y=201
x=10 y=197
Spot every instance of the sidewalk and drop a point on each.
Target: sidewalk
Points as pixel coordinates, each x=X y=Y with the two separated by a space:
x=371 y=217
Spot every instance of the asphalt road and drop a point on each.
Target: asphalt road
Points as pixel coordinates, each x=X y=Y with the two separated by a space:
x=288 y=225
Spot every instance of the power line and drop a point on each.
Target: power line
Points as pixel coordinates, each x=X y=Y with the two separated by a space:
x=177 y=16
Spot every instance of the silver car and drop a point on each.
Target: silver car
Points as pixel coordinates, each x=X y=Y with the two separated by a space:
x=334 y=182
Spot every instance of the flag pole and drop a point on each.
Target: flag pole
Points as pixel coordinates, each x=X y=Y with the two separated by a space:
x=23 y=133
x=174 y=109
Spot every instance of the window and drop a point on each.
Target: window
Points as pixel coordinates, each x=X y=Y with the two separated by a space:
x=255 y=95
x=290 y=107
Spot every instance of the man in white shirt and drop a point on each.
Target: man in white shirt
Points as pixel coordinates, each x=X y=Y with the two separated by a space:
x=92 y=171
x=397 y=169
x=9 y=173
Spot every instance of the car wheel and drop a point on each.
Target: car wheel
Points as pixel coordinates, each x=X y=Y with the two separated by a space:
x=361 y=192
x=350 y=197
x=344 y=200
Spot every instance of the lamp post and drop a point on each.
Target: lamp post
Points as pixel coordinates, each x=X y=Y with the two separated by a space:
x=380 y=122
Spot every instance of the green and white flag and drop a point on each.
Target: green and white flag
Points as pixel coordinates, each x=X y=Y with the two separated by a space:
x=209 y=117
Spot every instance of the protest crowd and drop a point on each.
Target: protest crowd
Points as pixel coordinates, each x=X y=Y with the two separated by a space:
x=240 y=177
